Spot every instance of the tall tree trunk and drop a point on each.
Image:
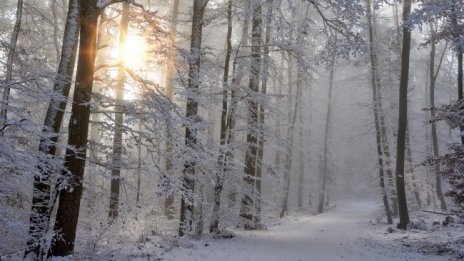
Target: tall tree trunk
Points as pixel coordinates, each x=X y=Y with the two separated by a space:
x=433 y=78
x=402 y=120
x=170 y=69
x=428 y=141
x=280 y=83
x=248 y=205
x=265 y=77
x=41 y=204
x=310 y=103
x=222 y=161
x=237 y=77
x=70 y=187
x=460 y=82
x=386 y=147
x=119 y=115
x=325 y=165
x=9 y=63
x=139 y=166
x=292 y=110
x=299 y=82
x=186 y=208
x=459 y=54
x=301 y=148
x=387 y=156
x=375 y=82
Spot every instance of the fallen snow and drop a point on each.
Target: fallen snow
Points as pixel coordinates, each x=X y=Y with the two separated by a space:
x=351 y=231
x=347 y=232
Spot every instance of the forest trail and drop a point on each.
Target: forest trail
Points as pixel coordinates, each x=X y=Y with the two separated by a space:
x=342 y=233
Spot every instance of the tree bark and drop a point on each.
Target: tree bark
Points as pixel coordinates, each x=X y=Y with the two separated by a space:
x=70 y=187
x=265 y=80
x=247 y=211
x=10 y=62
x=280 y=83
x=186 y=209
x=433 y=78
x=375 y=82
x=325 y=164
x=292 y=111
x=119 y=116
x=410 y=166
x=139 y=167
x=170 y=69
x=299 y=83
x=402 y=120
x=41 y=194
x=301 y=179
x=310 y=102
x=238 y=73
x=223 y=161
x=460 y=83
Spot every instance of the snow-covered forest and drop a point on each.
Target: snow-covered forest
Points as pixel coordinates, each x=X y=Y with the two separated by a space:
x=231 y=130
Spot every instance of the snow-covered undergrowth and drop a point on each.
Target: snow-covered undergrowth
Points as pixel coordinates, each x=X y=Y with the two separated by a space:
x=350 y=231
x=353 y=231
x=428 y=233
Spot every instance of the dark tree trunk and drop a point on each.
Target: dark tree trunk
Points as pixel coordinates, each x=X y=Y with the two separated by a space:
x=460 y=83
x=41 y=193
x=433 y=78
x=70 y=187
x=402 y=120
x=119 y=116
x=247 y=211
x=186 y=208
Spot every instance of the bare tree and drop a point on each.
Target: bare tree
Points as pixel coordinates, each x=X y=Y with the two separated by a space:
x=41 y=202
x=402 y=120
x=375 y=83
x=433 y=74
x=70 y=184
x=119 y=115
x=170 y=69
x=248 y=205
x=324 y=176
x=10 y=62
x=186 y=209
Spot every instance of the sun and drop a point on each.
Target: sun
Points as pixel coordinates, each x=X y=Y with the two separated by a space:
x=134 y=59
x=135 y=51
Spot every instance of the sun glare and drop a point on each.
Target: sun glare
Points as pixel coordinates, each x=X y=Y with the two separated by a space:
x=135 y=52
x=134 y=59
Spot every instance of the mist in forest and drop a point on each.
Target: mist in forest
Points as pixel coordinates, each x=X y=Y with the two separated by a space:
x=141 y=129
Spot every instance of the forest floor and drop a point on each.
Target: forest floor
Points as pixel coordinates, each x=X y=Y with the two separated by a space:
x=350 y=231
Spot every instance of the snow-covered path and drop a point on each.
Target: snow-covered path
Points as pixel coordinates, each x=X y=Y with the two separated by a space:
x=340 y=234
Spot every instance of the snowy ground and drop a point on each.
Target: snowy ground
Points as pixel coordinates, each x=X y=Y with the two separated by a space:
x=350 y=231
x=347 y=232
